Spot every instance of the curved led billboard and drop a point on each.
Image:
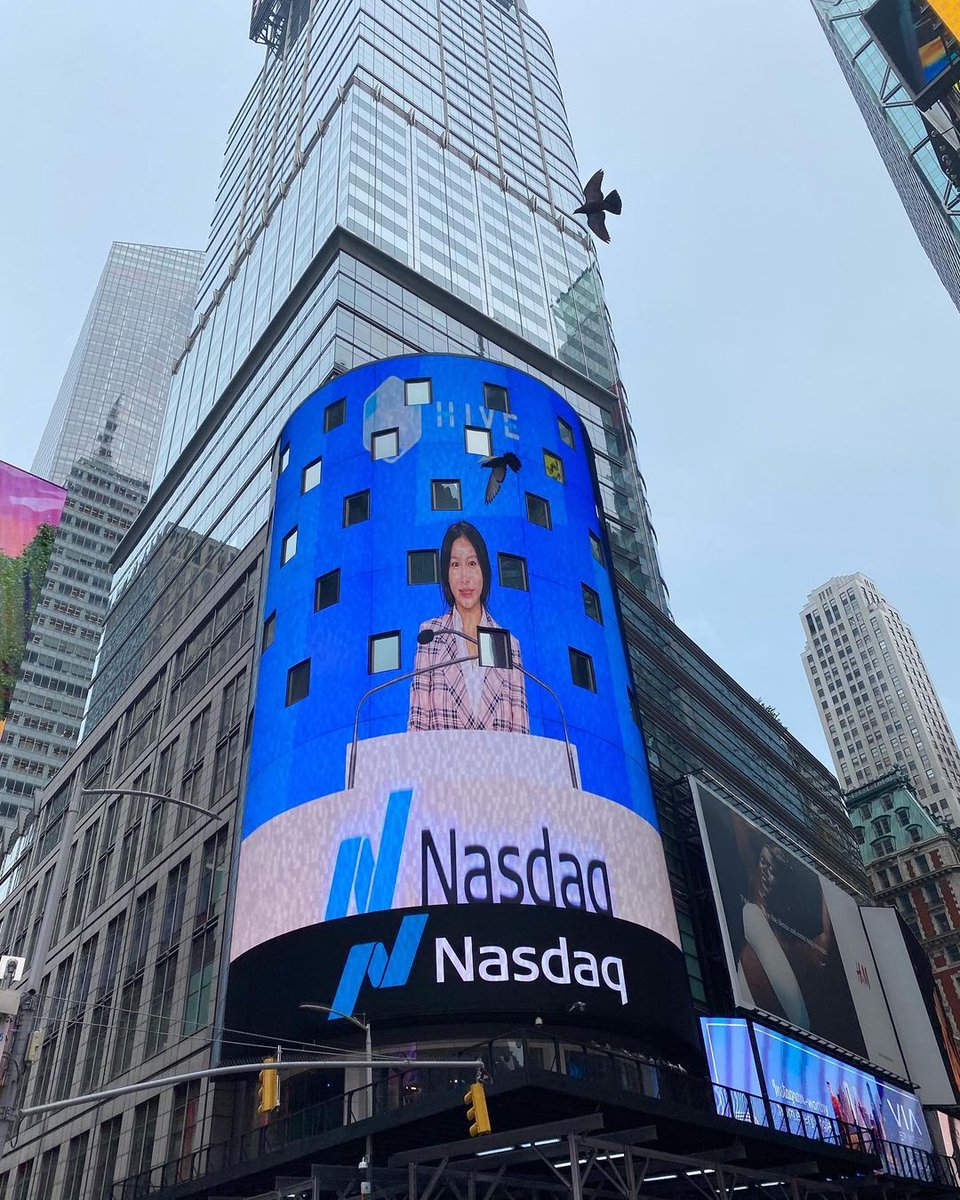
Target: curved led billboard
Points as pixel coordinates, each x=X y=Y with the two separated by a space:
x=448 y=807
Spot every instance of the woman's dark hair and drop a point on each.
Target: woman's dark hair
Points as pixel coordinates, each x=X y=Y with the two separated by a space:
x=465 y=530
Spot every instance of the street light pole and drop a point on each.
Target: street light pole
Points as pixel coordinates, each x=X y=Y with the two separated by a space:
x=368 y=1045
x=115 y=791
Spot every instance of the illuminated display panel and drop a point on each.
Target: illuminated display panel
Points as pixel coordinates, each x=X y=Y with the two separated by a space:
x=802 y=1079
x=919 y=40
x=487 y=841
x=795 y=942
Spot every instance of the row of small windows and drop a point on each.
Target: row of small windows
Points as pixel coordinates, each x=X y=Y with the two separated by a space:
x=423 y=567
x=385 y=443
x=446 y=496
x=383 y=654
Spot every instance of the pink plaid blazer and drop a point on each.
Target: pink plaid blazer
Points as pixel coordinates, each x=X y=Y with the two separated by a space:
x=439 y=699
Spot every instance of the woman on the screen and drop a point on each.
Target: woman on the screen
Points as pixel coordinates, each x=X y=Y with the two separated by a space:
x=777 y=965
x=463 y=695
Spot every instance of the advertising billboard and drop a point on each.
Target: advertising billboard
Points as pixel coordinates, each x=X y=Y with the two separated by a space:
x=30 y=510
x=448 y=807
x=915 y=1005
x=801 y=1079
x=795 y=942
x=919 y=43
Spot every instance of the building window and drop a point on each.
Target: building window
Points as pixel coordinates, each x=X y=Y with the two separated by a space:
x=327 y=590
x=48 y=1171
x=226 y=759
x=553 y=465
x=298 y=682
x=284 y=458
x=591 y=604
x=538 y=511
x=385 y=443
x=269 y=632
x=288 y=547
x=310 y=476
x=496 y=398
x=596 y=548
x=478 y=441
x=445 y=495
x=22 y=1180
x=566 y=433
x=581 y=670
x=192 y=778
x=356 y=508
x=76 y=1167
x=384 y=652
x=183 y=1125
x=423 y=566
x=107 y=1144
x=334 y=415
x=513 y=571
x=213 y=878
x=200 y=981
x=417 y=391
x=141 y=1150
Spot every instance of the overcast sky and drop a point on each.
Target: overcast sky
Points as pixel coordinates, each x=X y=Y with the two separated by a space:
x=777 y=320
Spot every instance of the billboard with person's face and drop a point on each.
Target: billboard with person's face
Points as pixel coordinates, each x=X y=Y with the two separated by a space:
x=30 y=510
x=448 y=805
x=795 y=942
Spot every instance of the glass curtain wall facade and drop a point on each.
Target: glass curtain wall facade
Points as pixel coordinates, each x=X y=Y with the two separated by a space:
x=113 y=396
x=915 y=157
x=430 y=140
x=100 y=443
x=395 y=183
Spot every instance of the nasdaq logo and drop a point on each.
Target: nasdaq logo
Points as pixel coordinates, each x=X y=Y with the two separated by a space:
x=372 y=878
x=372 y=961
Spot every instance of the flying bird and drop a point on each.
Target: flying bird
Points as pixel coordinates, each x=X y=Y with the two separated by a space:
x=595 y=203
x=498 y=472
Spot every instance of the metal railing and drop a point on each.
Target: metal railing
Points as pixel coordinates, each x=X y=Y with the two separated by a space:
x=531 y=1053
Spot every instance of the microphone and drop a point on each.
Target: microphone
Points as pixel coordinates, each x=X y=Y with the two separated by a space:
x=352 y=767
x=426 y=636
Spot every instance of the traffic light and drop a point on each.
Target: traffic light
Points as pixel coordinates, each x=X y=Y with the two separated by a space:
x=477 y=1117
x=268 y=1088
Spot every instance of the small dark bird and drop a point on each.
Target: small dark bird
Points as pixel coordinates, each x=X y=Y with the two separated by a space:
x=498 y=472
x=595 y=203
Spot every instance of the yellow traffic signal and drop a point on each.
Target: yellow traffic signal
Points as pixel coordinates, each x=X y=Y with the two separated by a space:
x=268 y=1088
x=477 y=1117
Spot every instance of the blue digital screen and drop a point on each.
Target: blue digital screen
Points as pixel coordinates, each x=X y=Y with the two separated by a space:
x=298 y=751
x=443 y=708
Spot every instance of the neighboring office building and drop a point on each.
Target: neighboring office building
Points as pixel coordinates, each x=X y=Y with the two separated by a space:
x=100 y=443
x=369 y=208
x=878 y=707
x=919 y=148
x=914 y=862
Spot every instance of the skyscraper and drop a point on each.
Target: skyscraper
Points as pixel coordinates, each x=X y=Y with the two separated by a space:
x=100 y=443
x=396 y=183
x=879 y=709
x=388 y=187
x=916 y=128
